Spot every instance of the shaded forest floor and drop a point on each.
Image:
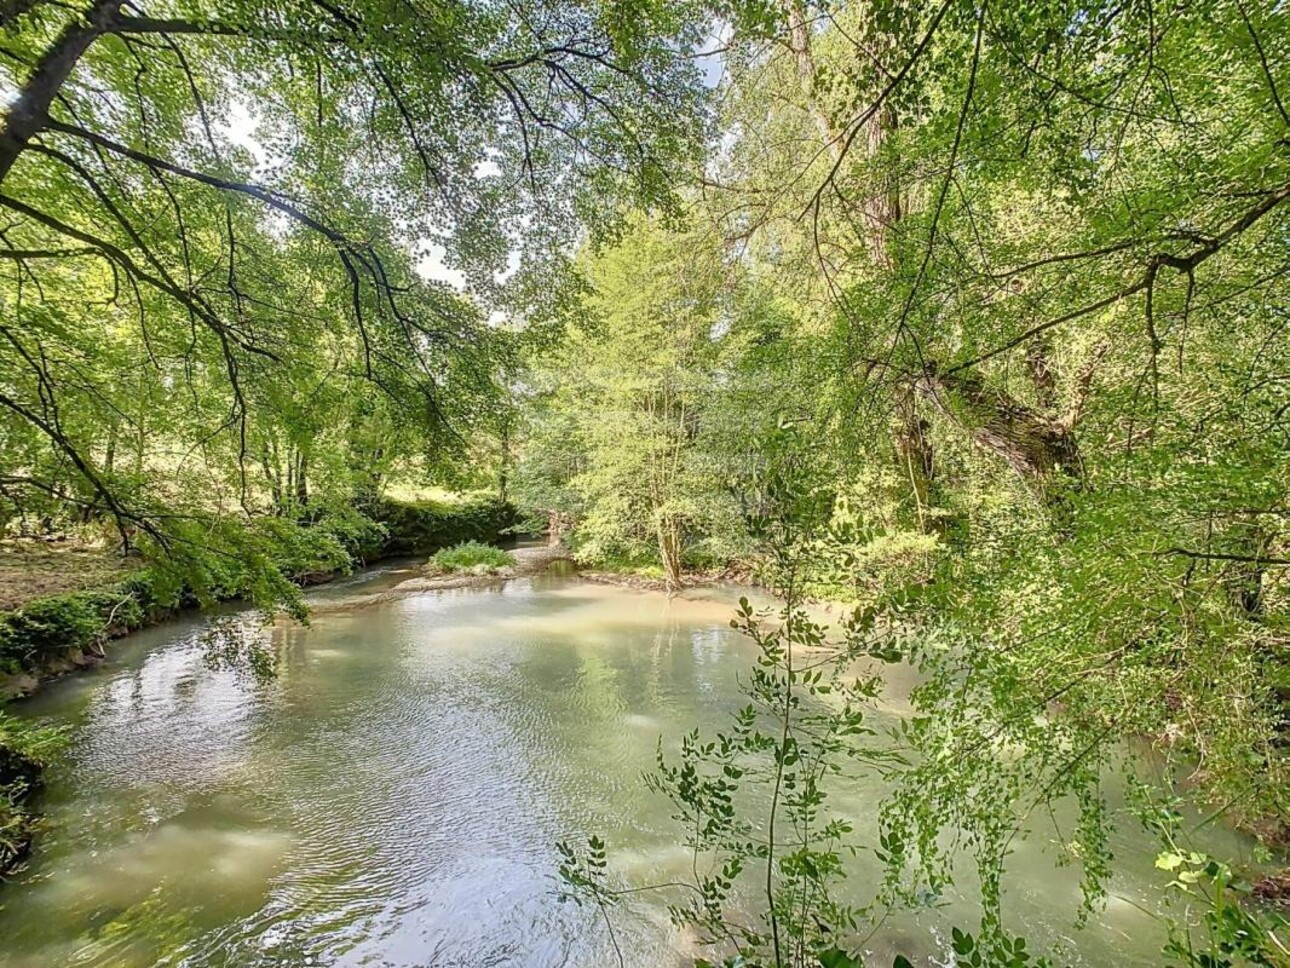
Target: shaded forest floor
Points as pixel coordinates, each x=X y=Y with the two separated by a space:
x=31 y=569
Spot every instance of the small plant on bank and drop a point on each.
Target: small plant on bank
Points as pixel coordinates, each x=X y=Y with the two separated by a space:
x=471 y=556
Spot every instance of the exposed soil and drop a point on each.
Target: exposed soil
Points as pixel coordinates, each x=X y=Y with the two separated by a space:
x=1274 y=888
x=696 y=579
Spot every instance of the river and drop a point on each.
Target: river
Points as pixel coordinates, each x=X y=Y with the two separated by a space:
x=395 y=795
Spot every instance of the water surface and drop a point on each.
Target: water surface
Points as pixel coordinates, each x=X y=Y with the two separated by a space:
x=394 y=797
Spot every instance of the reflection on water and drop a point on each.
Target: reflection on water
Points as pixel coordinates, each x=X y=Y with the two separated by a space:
x=395 y=796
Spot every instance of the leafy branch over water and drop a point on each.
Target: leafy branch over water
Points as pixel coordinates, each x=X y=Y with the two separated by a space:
x=770 y=859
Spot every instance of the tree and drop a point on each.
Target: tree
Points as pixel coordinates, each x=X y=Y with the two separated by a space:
x=1070 y=325
x=1038 y=255
x=246 y=290
x=636 y=382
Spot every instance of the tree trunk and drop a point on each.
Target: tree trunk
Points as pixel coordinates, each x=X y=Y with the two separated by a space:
x=271 y=476
x=799 y=43
x=302 y=480
x=669 y=550
x=28 y=113
x=503 y=474
x=916 y=455
x=1034 y=444
x=1245 y=579
x=881 y=206
x=109 y=457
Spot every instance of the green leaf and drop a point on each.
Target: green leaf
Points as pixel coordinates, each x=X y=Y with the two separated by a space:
x=837 y=958
x=1169 y=861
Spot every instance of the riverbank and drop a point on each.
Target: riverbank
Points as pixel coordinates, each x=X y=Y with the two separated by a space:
x=652 y=583
x=20 y=776
x=528 y=562
x=49 y=635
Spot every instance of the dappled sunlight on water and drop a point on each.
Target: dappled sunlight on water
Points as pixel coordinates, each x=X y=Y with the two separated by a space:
x=394 y=797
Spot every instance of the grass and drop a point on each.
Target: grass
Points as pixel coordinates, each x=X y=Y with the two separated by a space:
x=472 y=556
x=409 y=493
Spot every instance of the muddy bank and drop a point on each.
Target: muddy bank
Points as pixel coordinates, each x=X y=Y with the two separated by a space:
x=694 y=579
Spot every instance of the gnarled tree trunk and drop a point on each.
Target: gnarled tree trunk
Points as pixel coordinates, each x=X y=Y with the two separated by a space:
x=1033 y=443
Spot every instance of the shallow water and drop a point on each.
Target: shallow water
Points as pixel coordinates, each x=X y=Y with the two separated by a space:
x=394 y=797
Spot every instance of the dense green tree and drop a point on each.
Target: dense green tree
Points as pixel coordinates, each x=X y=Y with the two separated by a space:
x=1048 y=247
x=633 y=381
x=1035 y=259
x=215 y=211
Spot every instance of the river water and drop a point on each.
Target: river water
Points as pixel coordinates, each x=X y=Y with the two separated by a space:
x=395 y=795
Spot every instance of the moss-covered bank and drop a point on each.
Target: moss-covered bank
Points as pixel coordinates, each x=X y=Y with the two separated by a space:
x=19 y=777
x=24 y=751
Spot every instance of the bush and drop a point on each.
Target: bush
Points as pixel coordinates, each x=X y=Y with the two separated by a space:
x=420 y=527
x=154 y=596
x=299 y=550
x=46 y=626
x=470 y=555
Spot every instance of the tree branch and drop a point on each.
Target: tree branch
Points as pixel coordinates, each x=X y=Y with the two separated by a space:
x=29 y=111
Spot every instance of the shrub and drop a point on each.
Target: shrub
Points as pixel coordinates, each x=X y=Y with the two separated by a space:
x=470 y=555
x=48 y=625
x=420 y=527
x=155 y=597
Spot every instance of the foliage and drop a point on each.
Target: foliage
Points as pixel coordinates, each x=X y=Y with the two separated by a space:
x=1046 y=265
x=418 y=527
x=1030 y=265
x=969 y=768
x=25 y=749
x=753 y=802
x=1013 y=279
x=634 y=416
x=218 y=221
x=1232 y=931
x=32 y=744
x=470 y=555
x=47 y=626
